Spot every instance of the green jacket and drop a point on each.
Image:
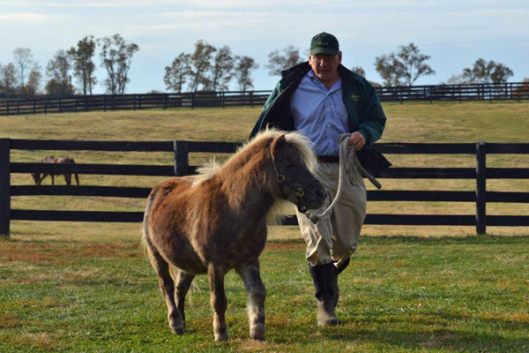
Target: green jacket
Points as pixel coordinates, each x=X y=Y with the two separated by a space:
x=360 y=98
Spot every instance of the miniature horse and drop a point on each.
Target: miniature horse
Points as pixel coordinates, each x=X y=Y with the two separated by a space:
x=217 y=221
x=39 y=177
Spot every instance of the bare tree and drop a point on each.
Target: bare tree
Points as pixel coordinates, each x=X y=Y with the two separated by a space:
x=243 y=70
x=222 y=69
x=23 y=61
x=116 y=58
x=200 y=64
x=176 y=75
x=8 y=79
x=279 y=61
x=405 y=67
x=58 y=70
x=390 y=69
x=415 y=63
x=34 y=81
x=455 y=80
x=83 y=65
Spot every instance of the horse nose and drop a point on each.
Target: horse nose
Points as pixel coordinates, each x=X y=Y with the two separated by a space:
x=320 y=193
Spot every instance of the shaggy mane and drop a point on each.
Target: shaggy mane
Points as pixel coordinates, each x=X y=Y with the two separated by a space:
x=280 y=208
x=295 y=139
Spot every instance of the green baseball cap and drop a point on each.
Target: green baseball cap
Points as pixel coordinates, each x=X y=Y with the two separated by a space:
x=324 y=43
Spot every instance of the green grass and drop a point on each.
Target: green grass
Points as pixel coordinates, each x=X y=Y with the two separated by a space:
x=400 y=294
x=87 y=287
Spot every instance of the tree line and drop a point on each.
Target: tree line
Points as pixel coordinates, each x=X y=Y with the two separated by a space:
x=402 y=68
x=24 y=76
x=207 y=68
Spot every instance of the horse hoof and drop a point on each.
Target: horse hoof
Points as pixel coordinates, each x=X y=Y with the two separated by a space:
x=258 y=332
x=259 y=338
x=329 y=322
x=221 y=337
x=178 y=330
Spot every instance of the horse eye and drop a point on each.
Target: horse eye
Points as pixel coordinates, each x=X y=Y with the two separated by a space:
x=288 y=164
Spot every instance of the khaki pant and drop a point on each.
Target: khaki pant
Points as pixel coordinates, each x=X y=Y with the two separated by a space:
x=335 y=238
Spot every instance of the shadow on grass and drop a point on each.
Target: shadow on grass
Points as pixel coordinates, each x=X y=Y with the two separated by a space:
x=417 y=337
x=478 y=239
x=399 y=239
x=439 y=338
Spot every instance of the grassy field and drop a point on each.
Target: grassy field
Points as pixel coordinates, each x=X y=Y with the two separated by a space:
x=400 y=294
x=453 y=122
x=87 y=287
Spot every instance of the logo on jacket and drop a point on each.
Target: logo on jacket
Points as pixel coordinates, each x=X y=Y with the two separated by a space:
x=356 y=97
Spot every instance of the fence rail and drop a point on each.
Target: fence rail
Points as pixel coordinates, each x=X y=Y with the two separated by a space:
x=181 y=150
x=517 y=91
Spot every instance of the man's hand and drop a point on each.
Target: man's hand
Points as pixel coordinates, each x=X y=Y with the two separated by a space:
x=357 y=140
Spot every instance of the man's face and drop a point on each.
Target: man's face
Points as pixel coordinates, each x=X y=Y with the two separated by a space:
x=325 y=66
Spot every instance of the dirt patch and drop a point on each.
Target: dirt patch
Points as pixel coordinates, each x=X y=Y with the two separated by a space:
x=32 y=253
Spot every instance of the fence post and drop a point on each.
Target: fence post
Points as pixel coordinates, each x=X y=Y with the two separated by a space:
x=5 y=188
x=481 y=188
x=181 y=158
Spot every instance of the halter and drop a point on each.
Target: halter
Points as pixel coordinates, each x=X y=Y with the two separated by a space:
x=282 y=180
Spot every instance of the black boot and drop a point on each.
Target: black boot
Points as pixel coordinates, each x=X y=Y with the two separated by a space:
x=322 y=279
x=334 y=282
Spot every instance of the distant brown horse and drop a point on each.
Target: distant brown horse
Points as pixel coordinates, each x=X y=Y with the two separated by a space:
x=217 y=221
x=39 y=177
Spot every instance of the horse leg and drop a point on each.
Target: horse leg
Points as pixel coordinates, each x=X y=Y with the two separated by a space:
x=77 y=178
x=52 y=179
x=42 y=178
x=183 y=283
x=251 y=277
x=167 y=287
x=218 y=301
x=68 y=179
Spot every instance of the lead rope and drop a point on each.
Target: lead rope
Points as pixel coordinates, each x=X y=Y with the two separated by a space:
x=348 y=160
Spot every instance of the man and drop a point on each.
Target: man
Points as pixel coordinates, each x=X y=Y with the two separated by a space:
x=322 y=99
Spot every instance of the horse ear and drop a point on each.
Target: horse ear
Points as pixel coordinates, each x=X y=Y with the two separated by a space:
x=278 y=143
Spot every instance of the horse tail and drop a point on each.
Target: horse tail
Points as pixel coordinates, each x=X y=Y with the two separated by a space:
x=146 y=241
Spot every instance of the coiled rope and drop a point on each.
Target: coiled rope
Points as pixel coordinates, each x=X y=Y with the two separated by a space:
x=348 y=161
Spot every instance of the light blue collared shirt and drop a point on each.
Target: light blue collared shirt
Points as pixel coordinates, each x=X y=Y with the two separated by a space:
x=320 y=114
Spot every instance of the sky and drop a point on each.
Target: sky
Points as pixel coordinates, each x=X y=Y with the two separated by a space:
x=455 y=33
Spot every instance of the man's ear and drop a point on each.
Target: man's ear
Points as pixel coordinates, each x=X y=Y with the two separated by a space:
x=278 y=143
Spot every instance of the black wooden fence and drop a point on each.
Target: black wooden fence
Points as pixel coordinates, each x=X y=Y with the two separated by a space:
x=517 y=91
x=181 y=166
x=74 y=104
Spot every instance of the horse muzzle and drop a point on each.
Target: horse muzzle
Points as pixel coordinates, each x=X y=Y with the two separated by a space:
x=313 y=197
